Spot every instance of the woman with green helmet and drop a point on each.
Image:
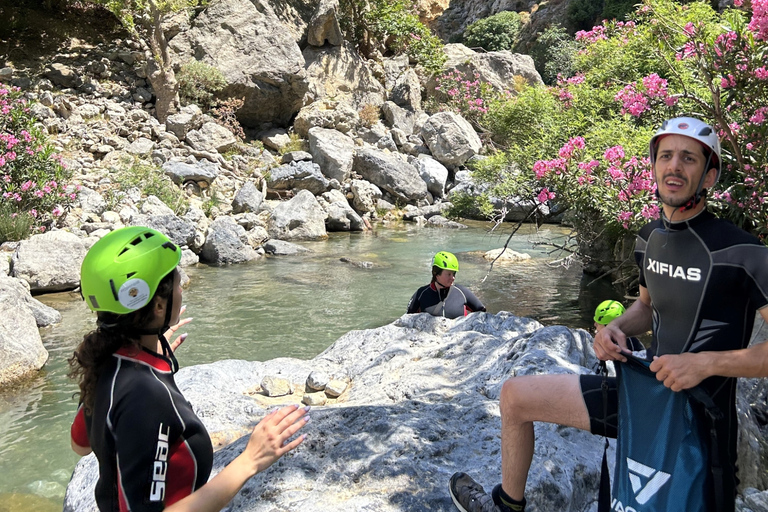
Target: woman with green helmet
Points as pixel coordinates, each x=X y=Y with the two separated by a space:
x=441 y=297
x=154 y=453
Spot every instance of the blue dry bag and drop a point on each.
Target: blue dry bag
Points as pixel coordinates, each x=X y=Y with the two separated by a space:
x=663 y=447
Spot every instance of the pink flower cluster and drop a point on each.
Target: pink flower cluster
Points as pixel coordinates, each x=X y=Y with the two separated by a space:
x=466 y=96
x=759 y=23
x=636 y=100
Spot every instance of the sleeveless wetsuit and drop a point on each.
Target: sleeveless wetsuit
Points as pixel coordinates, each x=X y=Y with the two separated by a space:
x=151 y=447
x=452 y=302
x=706 y=278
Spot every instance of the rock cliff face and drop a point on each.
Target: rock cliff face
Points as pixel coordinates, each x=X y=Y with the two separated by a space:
x=422 y=403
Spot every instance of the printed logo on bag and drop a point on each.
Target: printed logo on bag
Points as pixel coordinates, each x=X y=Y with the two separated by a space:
x=645 y=480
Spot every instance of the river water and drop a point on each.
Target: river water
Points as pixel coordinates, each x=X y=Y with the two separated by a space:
x=289 y=306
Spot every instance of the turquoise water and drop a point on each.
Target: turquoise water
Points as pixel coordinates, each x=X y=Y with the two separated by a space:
x=293 y=306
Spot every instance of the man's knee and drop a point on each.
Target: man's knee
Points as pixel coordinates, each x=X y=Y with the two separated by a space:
x=518 y=397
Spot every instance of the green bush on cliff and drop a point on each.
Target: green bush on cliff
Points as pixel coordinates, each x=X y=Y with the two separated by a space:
x=198 y=82
x=392 y=27
x=32 y=177
x=494 y=33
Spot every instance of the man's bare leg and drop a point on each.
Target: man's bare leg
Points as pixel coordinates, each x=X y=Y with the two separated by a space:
x=548 y=398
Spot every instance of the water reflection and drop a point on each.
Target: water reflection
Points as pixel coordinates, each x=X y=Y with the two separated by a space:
x=286 y=306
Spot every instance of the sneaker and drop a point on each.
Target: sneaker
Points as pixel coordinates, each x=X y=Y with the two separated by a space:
x=469 y=496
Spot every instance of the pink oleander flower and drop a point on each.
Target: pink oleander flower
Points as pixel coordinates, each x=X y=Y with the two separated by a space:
x=759 y=23
x=614 y=153
x=650 y=211
x=57 y=211
x=545 y=195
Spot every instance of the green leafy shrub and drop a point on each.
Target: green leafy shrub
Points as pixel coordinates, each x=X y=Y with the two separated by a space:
x=494 y=33
x=152 y=182
x=14 y=225
x=32 y=177
x=199 y=82
x=553 y=54
x=391 y=26
x=582 y=14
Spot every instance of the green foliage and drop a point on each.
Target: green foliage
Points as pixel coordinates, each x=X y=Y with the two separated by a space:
x=553 y=54
x=199 y=82
x=152 y=182
x=618 y=9
x=392 y=26
x=464 y=94
x=465 y=205
x=32 y=177
x=14 y=225
x=582 y=14
x=296 y=144
x=494 y=33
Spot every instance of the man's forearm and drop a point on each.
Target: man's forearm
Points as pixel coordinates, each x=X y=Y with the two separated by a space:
x=638 y=318
x=750 y=362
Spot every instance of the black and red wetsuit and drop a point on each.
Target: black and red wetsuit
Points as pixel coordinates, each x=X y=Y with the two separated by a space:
x=450 y=302
x=152 y=448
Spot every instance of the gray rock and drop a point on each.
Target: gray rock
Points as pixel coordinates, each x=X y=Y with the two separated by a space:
x=226 y=243
x=152 y=205
x=5 y=263
x=276 y=386
x=180 y=124
x=434 y=174
x=180 y=231
x=298 y=175
x=62 y=75
x=262 y=64
x=390 y=173
x=15 y=292
x=365 y=196
x=247 y=199
x=440 y=221
x=340 y=73
x=324 y=26
x=450 y=138
x=341 y=116
x=300 y=218
x=141 y=146
x=6 y=73
x=407 y=91
x=275 y=138
x=333 y=151
x=339 y=215
x=91 y=201
x=211 y=137
x=21 y=348
x=317 y=380
x=335 y=388
x=283 y=248
x=49 y=262
x=296 y=156
x=314 y=399
x=181 y=172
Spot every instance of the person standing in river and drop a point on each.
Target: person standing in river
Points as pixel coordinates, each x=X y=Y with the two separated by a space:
x=442 y=297
x=154 y=453
x=701 y=281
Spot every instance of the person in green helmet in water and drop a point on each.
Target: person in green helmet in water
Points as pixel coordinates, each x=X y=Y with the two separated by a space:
x=441 y=297
x=154 y=453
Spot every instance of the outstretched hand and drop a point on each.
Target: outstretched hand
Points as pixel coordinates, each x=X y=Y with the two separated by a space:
x=172 y=330
x=271 y=438
x=609 y=344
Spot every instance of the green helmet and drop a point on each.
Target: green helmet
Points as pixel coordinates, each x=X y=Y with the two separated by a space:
x=121 y=272
x=607 y=311
x=446 y=261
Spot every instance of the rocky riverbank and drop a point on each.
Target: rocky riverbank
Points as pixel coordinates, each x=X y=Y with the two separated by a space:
x=421 y=403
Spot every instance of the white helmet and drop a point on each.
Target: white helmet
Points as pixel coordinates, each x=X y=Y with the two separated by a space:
x=695 y=129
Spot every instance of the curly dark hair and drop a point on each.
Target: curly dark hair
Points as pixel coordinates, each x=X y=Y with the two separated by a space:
x=112 y=333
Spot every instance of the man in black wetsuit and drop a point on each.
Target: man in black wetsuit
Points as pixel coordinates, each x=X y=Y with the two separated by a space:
x=701 y=281
x=442 y=297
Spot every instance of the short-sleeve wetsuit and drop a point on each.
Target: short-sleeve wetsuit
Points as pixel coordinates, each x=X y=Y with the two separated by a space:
x=152 y=448
x=450 y=302
x=706 y=278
